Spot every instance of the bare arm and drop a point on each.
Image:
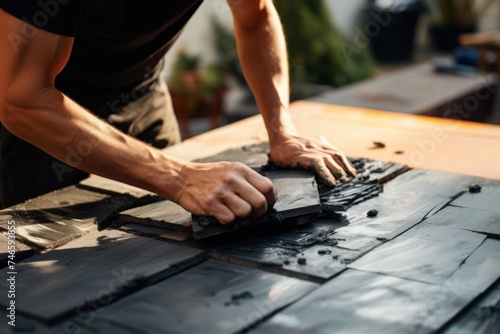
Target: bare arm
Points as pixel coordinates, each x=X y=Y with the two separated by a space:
x=34 y=110
x=262 y=51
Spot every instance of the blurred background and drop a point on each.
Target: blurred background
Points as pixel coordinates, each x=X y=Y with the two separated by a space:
x=431 y=57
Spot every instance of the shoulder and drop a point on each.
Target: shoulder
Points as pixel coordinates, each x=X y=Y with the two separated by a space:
x=57 y=16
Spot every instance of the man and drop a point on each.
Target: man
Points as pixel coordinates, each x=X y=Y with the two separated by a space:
x=63 y=62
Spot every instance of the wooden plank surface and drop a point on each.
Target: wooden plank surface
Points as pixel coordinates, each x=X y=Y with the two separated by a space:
x=414 y=90
x=93 y=270
x=450 y=145
x=212 y=297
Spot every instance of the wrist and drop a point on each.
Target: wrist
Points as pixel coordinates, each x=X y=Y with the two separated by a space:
x=164 y=178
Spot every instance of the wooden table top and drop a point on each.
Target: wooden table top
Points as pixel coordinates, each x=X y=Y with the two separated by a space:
x=450 y=145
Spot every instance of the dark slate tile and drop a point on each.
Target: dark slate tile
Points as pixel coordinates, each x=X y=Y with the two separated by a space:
x=481 y=221
x=13 y=252
x=157 y=232
x=364 y=302
x=86 y=323
x=212 y=297
x=487 y=199
x=297 y=202
x=93 y=270
x=355 y=302
x=406 y=200
x=431 y=254
x=483 y=317
x=164 y=214
x=314 y=251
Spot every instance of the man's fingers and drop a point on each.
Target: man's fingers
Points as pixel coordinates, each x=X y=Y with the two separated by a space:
x=222 y=213
x=256 y=200
x=322 y=171
x=336 y=169
x=239 y=206
x=264 y=186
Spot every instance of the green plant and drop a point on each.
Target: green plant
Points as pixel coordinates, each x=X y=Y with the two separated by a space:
x=314 y=47
x=193 y=88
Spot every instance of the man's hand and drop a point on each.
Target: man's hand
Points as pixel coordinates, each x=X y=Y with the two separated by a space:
x=224 y=190
x=312 y=153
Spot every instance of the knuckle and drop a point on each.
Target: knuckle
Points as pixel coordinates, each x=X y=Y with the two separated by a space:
x=225 y=218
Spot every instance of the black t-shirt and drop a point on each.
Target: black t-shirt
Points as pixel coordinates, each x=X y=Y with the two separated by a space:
x=119 y=44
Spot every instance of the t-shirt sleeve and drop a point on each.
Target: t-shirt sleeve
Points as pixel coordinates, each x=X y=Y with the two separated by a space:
x=57 y=16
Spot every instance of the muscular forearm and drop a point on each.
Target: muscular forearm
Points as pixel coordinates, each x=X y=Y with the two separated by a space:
x=62 y=128
x=262 y=51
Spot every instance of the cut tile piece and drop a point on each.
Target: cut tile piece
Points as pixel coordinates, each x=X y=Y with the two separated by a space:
x=429 y=255
x=45 y=230
x=151 y=231
x=487 y=199
x=477 y=220
x=212 y=297
x=53 y=219
x=93 y=270
x=163 y=214
x=406 y=200
x=297 y=202
x=20 y=250
x=313 y=251
x=345 y=195
x=99 y=183
x=363 y=302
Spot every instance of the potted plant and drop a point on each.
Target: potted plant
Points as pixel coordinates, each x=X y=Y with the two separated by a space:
x=452 y=18
x=196 y=92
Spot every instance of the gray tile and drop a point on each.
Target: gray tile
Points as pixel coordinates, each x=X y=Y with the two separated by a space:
x=363 y=302
x=314 y=251
x=157 y=232
x=477 y=220
x=406 y=200
x=102 y=184
x=93 y=270
x=13 y=252
x=86 y=323
x=212 y=297
x=430 y=255
x=487 y=199
x=483 y=317
x=164 y=214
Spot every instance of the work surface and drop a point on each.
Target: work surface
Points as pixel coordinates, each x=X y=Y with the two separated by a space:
x=428 y=262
